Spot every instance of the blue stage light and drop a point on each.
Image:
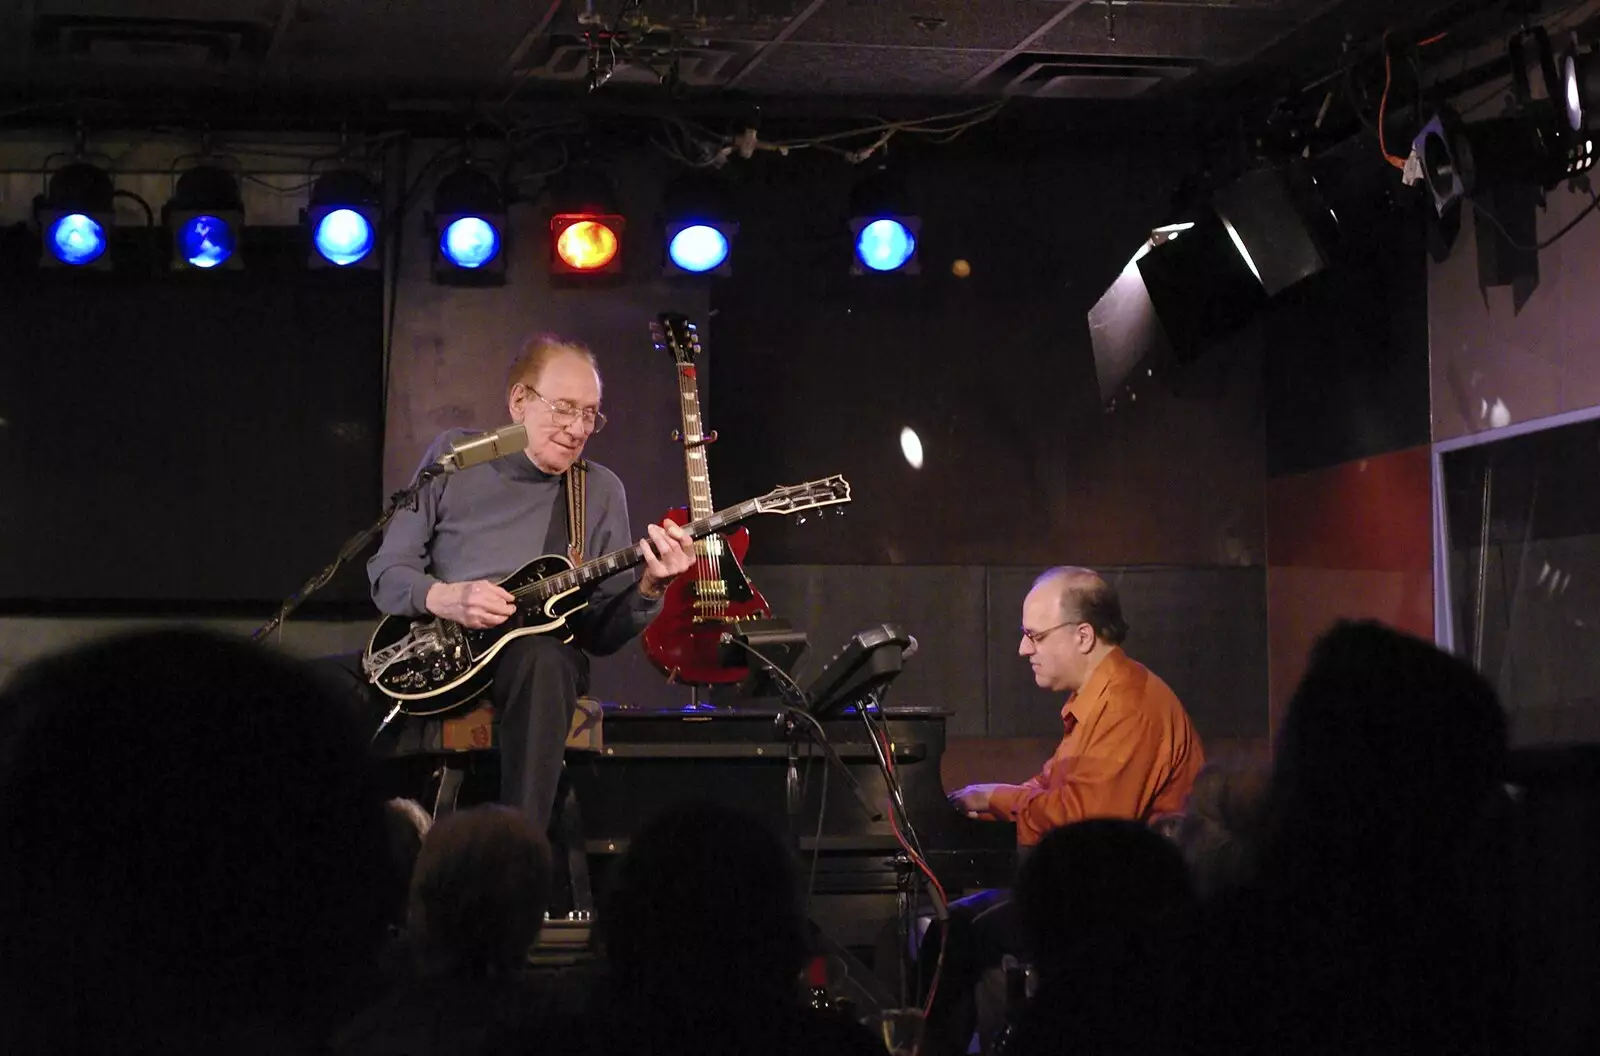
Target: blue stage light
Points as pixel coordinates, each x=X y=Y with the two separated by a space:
x=76 y=240
x=343 y=222
x=472 y=239
x=885 y=245
x=344 y=237
x=205 y=241
x=470 y=242
x=205 y=216
x=75 y=218
x=698 y=249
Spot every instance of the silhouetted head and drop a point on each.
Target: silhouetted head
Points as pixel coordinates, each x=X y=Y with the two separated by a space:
x=405 y=823
x=194 y=848
x=1105 y=890
x=1220 y=830
x=479 y=893
x=1389 y=758
x=705 y=905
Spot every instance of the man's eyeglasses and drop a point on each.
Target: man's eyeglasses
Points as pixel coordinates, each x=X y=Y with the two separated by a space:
x=1038 y=636
x=565 y=412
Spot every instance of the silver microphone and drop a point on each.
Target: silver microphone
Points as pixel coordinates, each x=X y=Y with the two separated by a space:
x=485 y=447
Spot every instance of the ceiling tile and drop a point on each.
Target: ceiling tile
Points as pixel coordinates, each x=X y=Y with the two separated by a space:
x=991 y=24
x=1173 y=30
x=831 y=69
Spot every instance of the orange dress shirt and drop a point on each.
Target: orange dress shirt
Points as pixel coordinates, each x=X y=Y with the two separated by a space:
x=1128 y=751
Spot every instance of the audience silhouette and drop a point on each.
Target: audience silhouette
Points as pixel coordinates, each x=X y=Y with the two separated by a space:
x=1107 y=908
x=478 y=898
x=703 y=942
x=1374 y=925
x=198 y=859
x=195 y=853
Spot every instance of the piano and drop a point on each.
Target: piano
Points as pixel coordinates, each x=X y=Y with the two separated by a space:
x=865 y=895
x=863 y=898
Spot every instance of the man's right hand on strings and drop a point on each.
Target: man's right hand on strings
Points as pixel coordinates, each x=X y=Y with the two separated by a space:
x=476 y=604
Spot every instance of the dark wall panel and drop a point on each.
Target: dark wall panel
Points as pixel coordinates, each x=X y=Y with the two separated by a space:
x=1203 y=630
x=1352 y=541
x=942 y=606
x=820 y=372
x=1345 y=357
x=187 y=439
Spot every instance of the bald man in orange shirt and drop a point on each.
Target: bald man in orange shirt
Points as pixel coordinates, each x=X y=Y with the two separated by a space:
x=1127 y=747
x=1127 y=750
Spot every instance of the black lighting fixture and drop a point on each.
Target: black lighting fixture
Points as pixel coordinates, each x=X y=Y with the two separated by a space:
x=885 y=229
x=205 y=220
x=1580 y=86
x=1537 y=144
x=75 y=217
x=586 y=223
x=343 y=221
x=1282 y=224
x=469 y=229
x=698 y=226
x=1199 y=280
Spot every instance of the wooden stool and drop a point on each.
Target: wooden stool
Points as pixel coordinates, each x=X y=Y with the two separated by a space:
x=478 y=731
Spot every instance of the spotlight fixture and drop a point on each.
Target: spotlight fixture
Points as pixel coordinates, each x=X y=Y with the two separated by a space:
x=75 y=218
x=1281 y=224
x=585 y=224
x=469 y=228
x=1580 y=85
x=342 y=221
x=1543 y=142
x=883 y=227
x=1460 y=159
x=204 y=219
x=1201 y=281
x=699 y=248
x=698 y=230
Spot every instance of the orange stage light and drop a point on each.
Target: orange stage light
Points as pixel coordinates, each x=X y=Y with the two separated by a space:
x=586 y=242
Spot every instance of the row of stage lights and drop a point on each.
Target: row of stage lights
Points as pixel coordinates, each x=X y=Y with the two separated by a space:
x=468 y=223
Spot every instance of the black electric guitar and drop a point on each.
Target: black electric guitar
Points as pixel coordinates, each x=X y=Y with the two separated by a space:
x=432 y=665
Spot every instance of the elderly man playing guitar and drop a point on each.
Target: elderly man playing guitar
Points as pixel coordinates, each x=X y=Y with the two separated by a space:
x=473 y=528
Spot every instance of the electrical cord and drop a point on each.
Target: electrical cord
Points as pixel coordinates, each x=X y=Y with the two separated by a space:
x=911 y=844
x=815 y=733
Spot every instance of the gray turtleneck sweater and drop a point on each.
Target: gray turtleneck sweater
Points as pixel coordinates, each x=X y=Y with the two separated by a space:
x=488 y=521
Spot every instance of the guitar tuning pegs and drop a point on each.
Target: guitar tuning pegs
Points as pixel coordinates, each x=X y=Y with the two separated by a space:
x=799 y=518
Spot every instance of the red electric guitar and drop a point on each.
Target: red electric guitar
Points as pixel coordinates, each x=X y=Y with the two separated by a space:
x=684 y=640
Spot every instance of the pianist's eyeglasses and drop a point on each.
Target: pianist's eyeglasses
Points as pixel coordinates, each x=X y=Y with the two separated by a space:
x=1038 y=636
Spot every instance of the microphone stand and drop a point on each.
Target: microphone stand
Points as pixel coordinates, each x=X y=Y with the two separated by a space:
x=352 y=548
x=793 y=714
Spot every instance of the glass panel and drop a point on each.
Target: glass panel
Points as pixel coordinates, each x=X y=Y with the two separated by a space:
x=1523 y=517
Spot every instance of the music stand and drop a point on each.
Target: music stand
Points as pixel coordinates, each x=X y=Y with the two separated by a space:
x=775 y=641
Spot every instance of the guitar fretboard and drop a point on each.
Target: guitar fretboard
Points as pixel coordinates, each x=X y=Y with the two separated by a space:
x=612 y=563
x=694 y=453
